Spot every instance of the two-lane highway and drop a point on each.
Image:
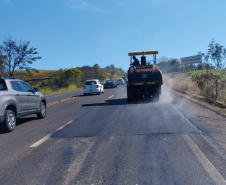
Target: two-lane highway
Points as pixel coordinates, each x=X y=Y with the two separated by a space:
x=102 y=139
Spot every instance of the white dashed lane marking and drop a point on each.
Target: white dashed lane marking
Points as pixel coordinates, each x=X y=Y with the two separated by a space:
x=111 y=96
x=44 y=139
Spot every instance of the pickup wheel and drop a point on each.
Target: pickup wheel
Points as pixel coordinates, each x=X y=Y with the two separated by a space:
x=42 y=113
x=10 y=120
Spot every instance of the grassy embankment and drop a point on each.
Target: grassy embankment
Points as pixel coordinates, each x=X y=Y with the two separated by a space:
x=205 y=87
x=44 y=79
x=41 y=80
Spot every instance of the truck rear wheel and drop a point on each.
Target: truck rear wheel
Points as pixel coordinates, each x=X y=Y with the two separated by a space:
x=156 y=98
x=130 y=96
x=156 y=94
x=147 y=95
x=139 y=95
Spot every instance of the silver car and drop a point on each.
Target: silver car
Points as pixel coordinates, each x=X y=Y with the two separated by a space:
x=18 y=99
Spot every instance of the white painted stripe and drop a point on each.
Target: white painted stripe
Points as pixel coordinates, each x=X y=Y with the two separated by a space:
x=211 y=170
x=111 y=96
x=49 y=135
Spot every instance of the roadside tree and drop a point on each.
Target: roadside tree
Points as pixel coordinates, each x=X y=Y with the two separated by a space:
x=71 y=76
x=172 y=65
x=96 y=66
x=217 y=54
x=1 y=64
x=162 y=59
x=17 y=56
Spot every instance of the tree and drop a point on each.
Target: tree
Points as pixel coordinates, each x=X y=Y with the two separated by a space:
x=169 y=65
x=163 y=66
x=88 y=72
x=217 y=54
x=173 y=65
x=1 y=63
x=96 y=66
x=162 y=59
x=17 y=56
x=71 y=76
x=107 y=67
x=112 y=66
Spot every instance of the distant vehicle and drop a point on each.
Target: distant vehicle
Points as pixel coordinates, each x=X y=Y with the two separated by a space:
x=144 y=79
x=18 y=99
x=93 y=87
x=110 y=84
x=120 y=81
x=125 y=79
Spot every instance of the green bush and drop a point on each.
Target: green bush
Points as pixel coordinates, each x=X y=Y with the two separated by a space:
x=211 y=83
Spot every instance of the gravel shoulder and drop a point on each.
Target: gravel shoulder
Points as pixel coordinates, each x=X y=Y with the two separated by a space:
x=209 y=122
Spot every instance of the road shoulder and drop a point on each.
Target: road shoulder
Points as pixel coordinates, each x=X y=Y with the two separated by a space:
x=210 y=123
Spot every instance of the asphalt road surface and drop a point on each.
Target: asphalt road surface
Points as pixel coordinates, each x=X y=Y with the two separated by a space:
x=102 y=139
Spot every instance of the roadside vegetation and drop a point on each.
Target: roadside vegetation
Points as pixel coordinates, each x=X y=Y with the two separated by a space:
x=16 y=59
x=55 y=81
x=205 y=82
x=208 y=84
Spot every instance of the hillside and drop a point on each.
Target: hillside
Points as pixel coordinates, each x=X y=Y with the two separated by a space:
x=54 y=81
x=39 y=75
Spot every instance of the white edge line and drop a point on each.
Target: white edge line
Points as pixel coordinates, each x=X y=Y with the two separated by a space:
x=49 y=135
x=208 y=166
x=111 y=96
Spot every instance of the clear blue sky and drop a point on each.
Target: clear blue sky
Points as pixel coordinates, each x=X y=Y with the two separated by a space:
x=74 y=33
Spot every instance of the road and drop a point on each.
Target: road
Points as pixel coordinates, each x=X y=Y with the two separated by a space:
x=102 y=139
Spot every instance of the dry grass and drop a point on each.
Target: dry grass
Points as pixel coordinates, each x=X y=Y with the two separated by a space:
x=184 y=84
x=41 y=74
x=48 y=90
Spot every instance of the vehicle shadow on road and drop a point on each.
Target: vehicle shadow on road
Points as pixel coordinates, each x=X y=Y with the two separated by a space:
x=19 y=121
x=122 y=101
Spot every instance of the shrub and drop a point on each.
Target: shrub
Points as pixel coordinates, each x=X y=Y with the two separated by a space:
x=211 y=85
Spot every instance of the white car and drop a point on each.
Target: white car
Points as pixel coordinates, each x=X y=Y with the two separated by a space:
x=120 y=81
x=93 y=87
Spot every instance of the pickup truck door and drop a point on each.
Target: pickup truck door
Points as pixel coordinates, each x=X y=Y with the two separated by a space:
x=21 y=98
x=33 y=98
